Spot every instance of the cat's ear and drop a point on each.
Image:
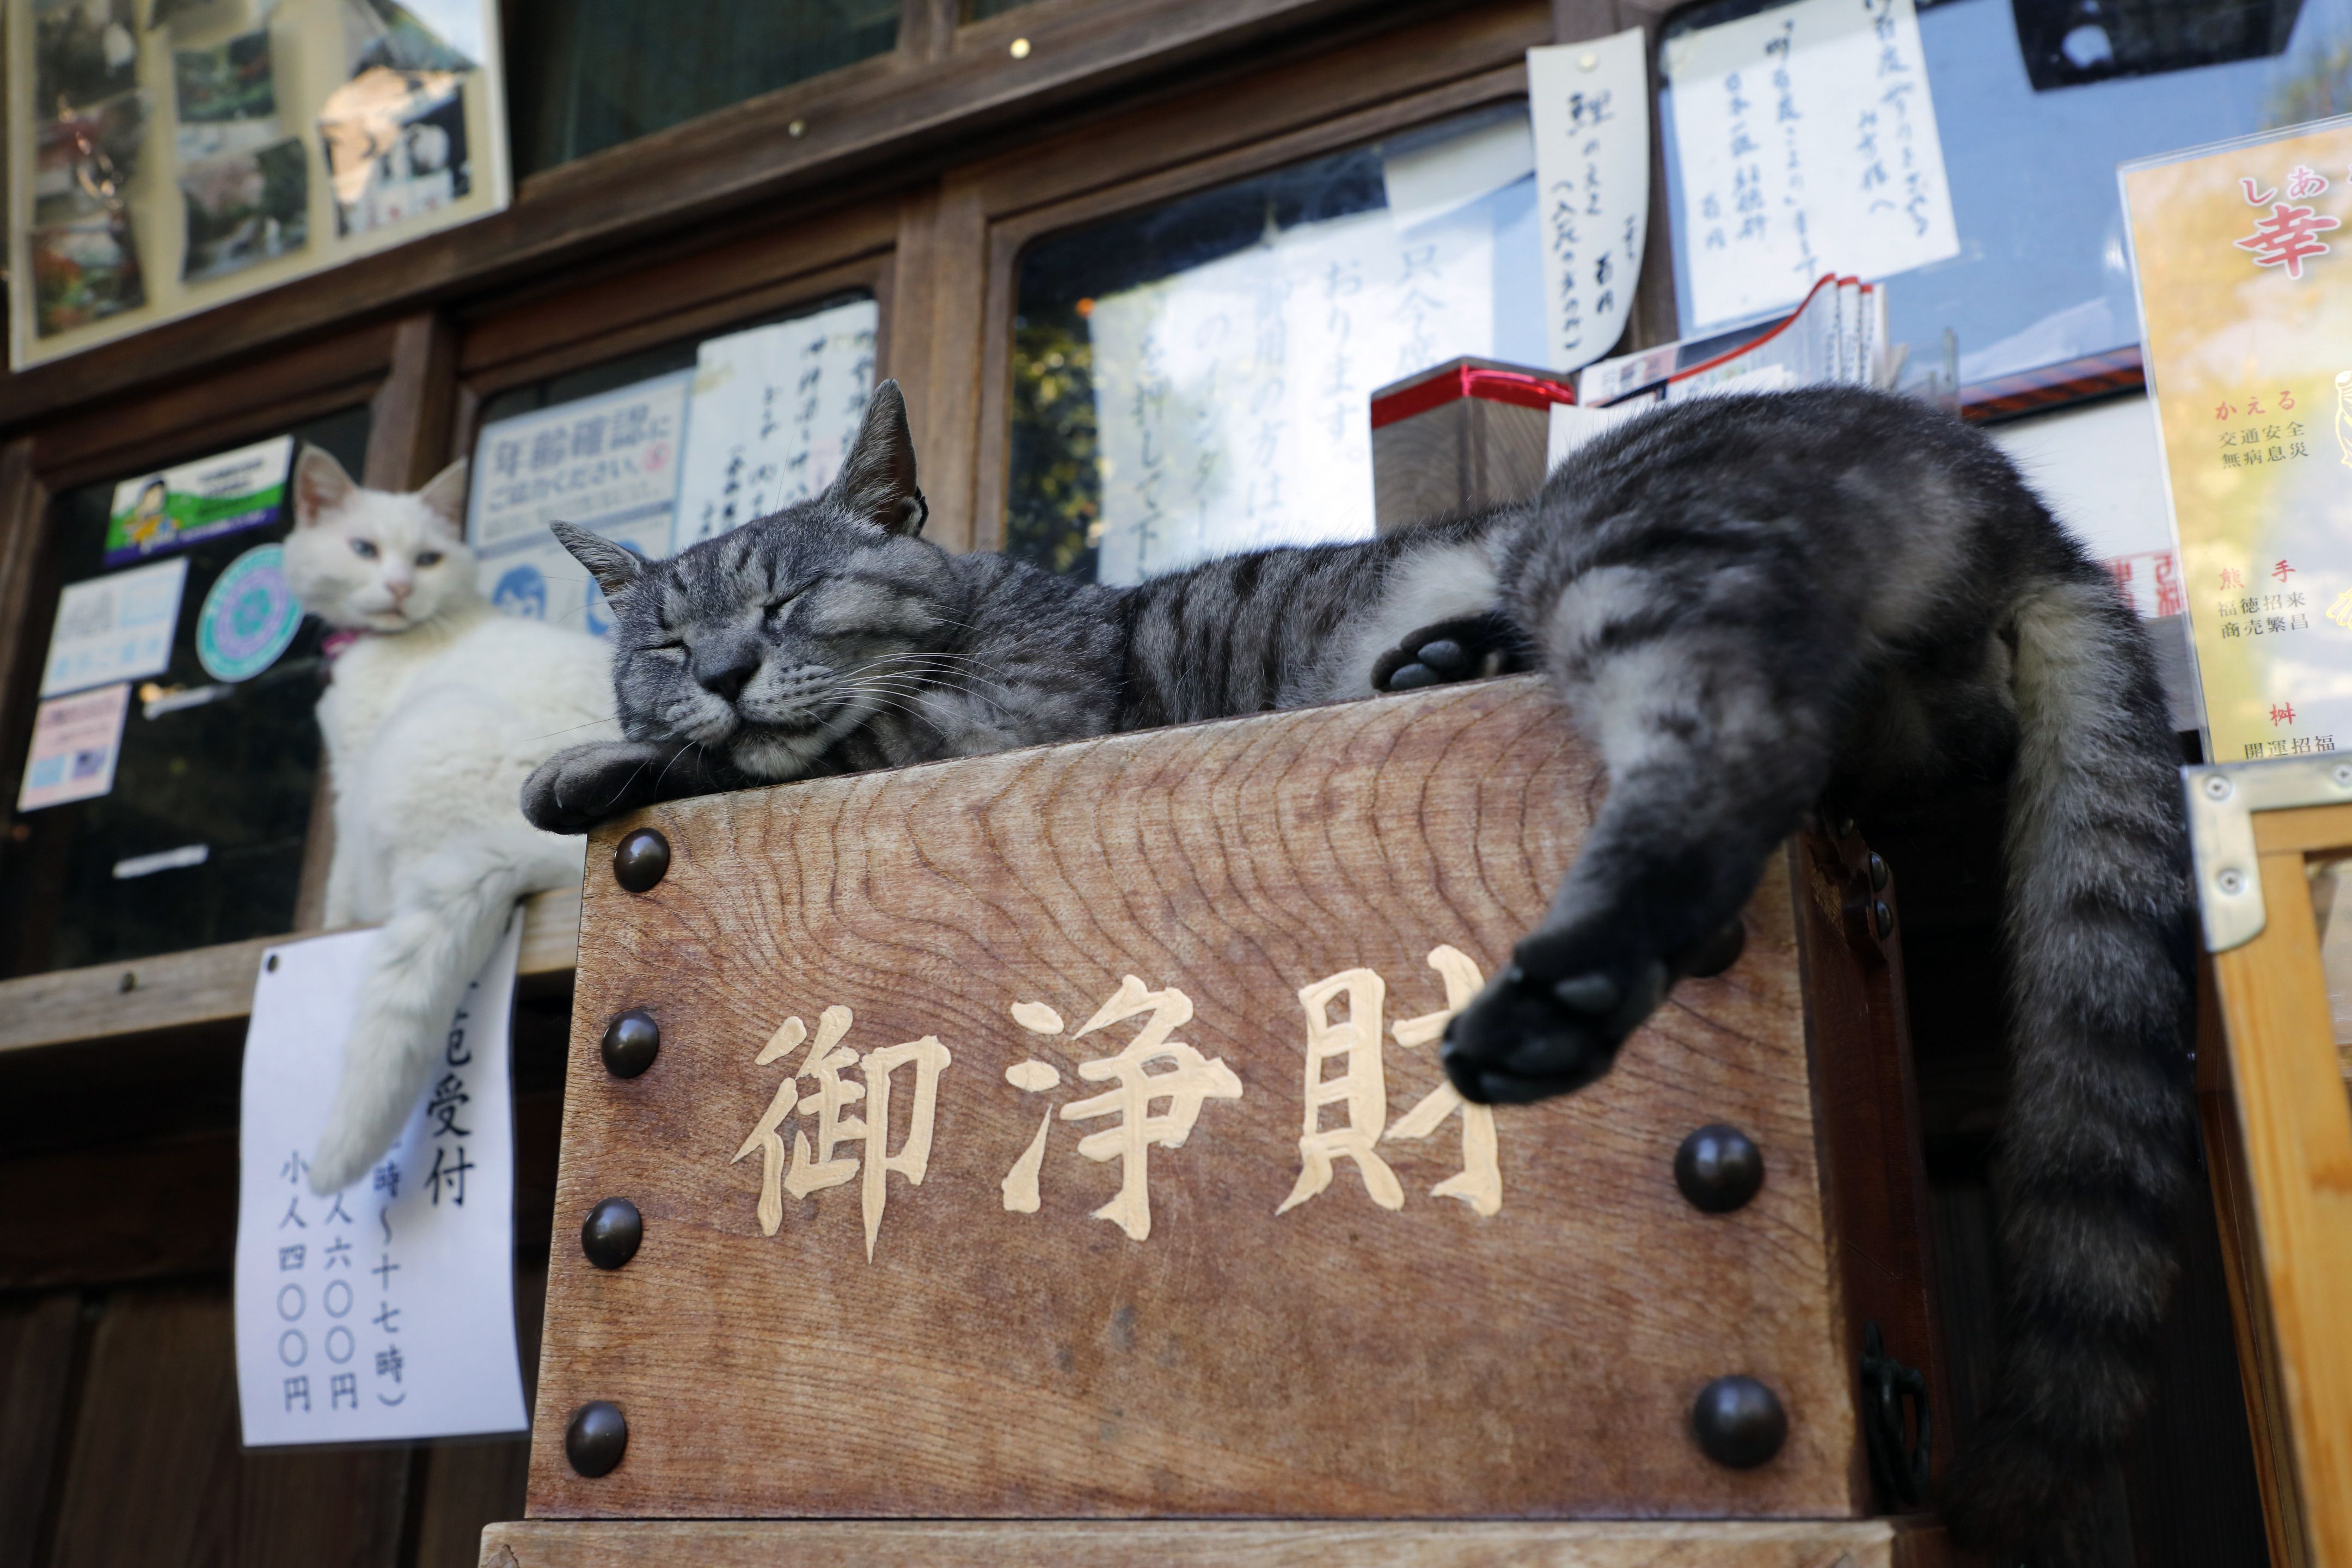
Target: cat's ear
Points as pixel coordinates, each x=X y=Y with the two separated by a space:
x=878 y=478
x=446 y=495
x=616 y=571
x=321 y=486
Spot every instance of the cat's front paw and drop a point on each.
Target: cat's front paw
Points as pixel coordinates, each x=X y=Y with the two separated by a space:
x=574 y=790
x=1466 y=649
x=1552 y=1020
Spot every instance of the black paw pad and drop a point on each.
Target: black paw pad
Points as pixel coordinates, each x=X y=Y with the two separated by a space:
x=1466 y=649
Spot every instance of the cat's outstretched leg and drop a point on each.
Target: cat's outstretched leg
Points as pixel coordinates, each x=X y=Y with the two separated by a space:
x=1716 y=695
x=1469 y=648
x=576 y=789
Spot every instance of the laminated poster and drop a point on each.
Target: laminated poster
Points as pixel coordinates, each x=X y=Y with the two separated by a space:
x=609 y=463
x=1806 y=139
x=115 y=627
x=774 y=412
x=2245 y=294
x=77 y=741
x=199 y=500
x=385 y=1310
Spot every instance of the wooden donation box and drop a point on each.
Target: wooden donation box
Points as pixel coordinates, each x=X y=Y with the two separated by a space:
x=1056 y=1143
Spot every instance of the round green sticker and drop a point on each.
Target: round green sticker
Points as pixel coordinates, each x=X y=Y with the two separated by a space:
x=249 y=617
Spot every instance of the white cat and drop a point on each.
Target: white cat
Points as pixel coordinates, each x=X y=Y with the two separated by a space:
x=438 y=713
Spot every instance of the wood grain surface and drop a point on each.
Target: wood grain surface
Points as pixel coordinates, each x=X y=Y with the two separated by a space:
x=1217 y=1544
x=1342 y=1358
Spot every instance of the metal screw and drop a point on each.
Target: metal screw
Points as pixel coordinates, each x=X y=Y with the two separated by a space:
x=1718 y=1168
x=640 y=859
x=1739 y=1422
x=632 y=1040
x=1882 y=917
x=2232 y=881
x=1877 y=873
x=596 y=1437
x=612 y=1232
x=2217 y=788
x=1020 y=50
x=797 y=129
x=2344 y=775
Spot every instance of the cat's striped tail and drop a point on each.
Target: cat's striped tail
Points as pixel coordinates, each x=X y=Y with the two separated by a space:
x=449 y=911
x=2098 y=1142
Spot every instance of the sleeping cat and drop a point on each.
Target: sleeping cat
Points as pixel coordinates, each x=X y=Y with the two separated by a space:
x=1748 y=603
x=438 y=712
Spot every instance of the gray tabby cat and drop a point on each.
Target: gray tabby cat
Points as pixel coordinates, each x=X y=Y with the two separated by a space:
x=1748 y=603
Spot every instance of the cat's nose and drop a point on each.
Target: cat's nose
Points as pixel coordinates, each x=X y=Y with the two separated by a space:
x=724 y=671
x=398 y=590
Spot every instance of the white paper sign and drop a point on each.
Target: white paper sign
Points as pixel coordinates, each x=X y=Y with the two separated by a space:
x=1806 y=139
x=77 y=741
x=386 y=1311
x=608 y=462
x=115 y=627
x=1591 y=106
x=773 y=413
x=1232 y=401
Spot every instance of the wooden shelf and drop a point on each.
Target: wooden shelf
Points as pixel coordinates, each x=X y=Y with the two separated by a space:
x=210 y=985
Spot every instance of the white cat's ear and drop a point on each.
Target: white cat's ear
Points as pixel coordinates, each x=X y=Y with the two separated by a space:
x=447 y=494
x=616 y=569
x=321 y=486
x=878 y=478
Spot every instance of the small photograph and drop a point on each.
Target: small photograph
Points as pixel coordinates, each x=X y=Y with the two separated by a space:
x=245 y=207
x=395 y=146
x=84 y=271
x=227 y=97
x=83 y=159
x=83 y=51
x=423 y=36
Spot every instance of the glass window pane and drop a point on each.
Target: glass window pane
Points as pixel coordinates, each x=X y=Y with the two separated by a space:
x=200 y=839
x=2036 y=102
x=1196 y=377
x=589 y=74
x=657 y=450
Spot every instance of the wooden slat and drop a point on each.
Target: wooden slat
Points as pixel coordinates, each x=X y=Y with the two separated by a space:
x=208 y=984
x=155 y=1474
x=1873 y=1544
x=1338 y=1359
x=2300 y=832
x=408 y=425
x=2295 y=1130
x=36 y=1357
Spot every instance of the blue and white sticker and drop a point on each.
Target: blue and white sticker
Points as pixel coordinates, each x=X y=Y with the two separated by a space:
x=250 y=616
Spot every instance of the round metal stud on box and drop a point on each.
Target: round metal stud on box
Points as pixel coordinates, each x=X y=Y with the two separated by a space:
x=595 y=1438
x=640 y=859
x=612 y=1232
x=632 y=1041
x=1718 y=1168
x=1739 y=1423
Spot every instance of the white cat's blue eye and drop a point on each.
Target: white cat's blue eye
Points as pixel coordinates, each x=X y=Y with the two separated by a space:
x=430 y=558
x=362 y=548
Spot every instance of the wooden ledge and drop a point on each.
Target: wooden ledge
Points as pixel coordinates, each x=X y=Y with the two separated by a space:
x=1061 y=1543
x=210 y=985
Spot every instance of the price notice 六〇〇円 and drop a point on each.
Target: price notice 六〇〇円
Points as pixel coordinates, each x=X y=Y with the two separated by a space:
x=2245 y=285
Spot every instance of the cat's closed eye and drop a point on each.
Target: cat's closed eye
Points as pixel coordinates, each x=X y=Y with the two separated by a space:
x=364 y=548
x=776 y=605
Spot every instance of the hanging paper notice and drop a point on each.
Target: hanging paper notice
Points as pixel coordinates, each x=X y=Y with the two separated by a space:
x=1590 y=105
x=77 y=741
x=772 y=416
x=1232 y=400
x=199 y=500
x=1806 y=140
x=116 y=627
x=384 y=1311
x=608 y=463
x=2244 y=274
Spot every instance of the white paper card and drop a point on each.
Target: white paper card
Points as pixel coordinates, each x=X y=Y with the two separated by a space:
x=386 y=1311
x=608 y=463
x=1806 y=139
x=115 y=627
x=77 y=741
x=772 y=416
x=1232 y=401
x=1572 y=426
x=1589 y=104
